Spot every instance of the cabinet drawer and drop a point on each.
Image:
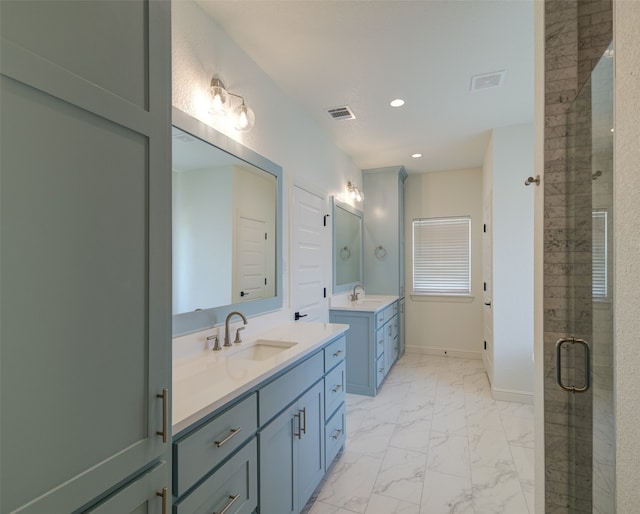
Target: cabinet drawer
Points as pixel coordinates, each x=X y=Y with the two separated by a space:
x=390 y=311
x=286 y=388
x=333 y=390
x=235 y=485
x=204 y=449
x=140 y=495
x=380 y=370
x=334 y=435
x=379 y=318
x=380 y=341
x=334 y=353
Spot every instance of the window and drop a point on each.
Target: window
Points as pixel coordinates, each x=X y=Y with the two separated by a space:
x=599 y=254
x=442 y=256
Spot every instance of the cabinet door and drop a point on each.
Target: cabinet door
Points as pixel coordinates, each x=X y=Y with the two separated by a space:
x=277 y=495
x=310 y=444
x=84 y=247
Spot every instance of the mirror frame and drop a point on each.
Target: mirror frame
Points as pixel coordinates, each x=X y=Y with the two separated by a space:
x=335 y=203
x=189 y=322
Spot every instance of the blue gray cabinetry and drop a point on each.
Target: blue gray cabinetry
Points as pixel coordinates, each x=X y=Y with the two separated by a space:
x=372 y=346
x=384 y=240
x=266 y=450
x=85 y=286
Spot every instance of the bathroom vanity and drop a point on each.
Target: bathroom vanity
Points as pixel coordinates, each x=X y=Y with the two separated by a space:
x=372 y=340
x=256 y=425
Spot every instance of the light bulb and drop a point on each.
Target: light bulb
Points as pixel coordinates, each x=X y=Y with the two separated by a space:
x=219 y=97
x=358 y=195
x=245 y=118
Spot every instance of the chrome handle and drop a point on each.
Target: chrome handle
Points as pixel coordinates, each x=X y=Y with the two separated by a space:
x=165 y=415
x=488 y=304
x=381 y=370
x=299 y=434
x=230 y=502
x=532 y=180
x=303 y=428
x=336 y=388
x=338 y=353
x=237 y=339
x=336 y=434
x=587 y=364
x=234 y=432
x=164 y=495
x=381 y=342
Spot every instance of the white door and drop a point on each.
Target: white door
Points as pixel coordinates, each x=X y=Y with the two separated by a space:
x=252 y=260
x=487 y=285
x=309 y=243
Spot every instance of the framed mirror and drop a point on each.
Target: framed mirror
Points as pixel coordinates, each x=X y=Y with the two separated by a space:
x=347 y=246
x=227 y=223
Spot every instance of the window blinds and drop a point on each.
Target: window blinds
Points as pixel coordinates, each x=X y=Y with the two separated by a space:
x=599 y=254
x=442 y=256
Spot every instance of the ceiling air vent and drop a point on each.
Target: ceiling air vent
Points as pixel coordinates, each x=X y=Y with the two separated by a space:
x=487 y=80
x=342 y=113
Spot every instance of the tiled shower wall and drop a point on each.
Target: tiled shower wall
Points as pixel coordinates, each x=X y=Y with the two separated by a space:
x=577 y=32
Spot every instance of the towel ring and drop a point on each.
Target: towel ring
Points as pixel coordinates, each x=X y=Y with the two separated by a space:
x=345 y=253
x=380 y=252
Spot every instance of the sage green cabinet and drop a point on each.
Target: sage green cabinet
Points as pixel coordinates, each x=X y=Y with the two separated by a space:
x=384 y=236
x=285 y=423
x=292 y=455
x=85 y=274
x=372 y=346
x=383 y=209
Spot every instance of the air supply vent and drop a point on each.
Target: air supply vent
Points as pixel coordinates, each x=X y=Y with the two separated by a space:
x=487 y=80
x=342 y=113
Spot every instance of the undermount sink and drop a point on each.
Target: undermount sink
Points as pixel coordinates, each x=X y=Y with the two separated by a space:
x=262 y=349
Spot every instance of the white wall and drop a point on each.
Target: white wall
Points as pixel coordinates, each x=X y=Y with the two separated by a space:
x=627 y=250
x=439 y=324
x=282 y=132
x=511 y=162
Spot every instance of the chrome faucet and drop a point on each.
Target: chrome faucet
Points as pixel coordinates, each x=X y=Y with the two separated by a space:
x=354 y=294
x=226 y=328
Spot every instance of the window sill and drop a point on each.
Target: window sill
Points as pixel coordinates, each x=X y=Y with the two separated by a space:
x=442 y=298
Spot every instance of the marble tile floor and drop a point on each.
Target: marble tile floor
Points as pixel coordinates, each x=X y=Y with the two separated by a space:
x=432 y=442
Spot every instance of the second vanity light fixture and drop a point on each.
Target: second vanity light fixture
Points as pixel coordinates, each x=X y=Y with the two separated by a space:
x=354 y=192
x=221 y=103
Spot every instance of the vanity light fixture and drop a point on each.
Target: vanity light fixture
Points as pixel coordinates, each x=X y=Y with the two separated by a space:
x=244 y=117
x=398 y=102
x=416 y=155
x=354 y=191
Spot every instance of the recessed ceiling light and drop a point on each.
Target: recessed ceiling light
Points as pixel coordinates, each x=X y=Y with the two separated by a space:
x=416 y=155
x=398 y=102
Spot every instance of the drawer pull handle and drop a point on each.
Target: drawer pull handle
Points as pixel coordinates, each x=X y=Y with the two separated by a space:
x=338 y=353
x=299 y=433
x=381 y=342
x=336 y=388
x=234 y=432
x=230 y=502
x=303 y=427
x=336 y=434
x=163 y=494
x=165 y=415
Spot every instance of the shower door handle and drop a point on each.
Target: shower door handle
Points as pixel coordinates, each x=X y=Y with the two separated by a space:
x=587 y=364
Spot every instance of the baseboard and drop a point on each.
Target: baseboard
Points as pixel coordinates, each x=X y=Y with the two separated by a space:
x=443 y=352
x=507 y=395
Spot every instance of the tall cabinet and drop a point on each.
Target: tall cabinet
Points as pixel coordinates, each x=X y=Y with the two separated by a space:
x=384 y=243
x=85 y=256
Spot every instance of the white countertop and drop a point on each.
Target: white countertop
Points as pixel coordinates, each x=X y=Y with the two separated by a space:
x=368 y=303
x=205 y=382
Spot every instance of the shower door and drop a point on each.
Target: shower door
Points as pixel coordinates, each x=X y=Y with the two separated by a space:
x=584 y=345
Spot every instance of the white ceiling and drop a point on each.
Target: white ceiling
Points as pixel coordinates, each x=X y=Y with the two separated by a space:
x=365 y=53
